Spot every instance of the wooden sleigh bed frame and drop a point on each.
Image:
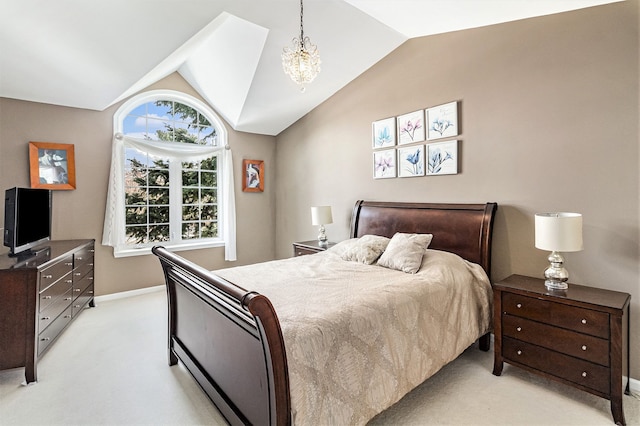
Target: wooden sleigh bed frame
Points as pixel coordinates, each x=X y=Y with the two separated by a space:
x=229 y=338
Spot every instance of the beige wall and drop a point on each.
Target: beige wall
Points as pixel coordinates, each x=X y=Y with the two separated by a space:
x=549 y=121
x=80 y=213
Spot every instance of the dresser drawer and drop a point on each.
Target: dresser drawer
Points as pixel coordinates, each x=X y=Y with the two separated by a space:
x=53 y=273
x=83 y=256
x=82 y=300
x=49 y=315
x=81 y=285
x=581 y=372
x=579 y=319
x=53 y=292
x=49 y=335
x=558 y=339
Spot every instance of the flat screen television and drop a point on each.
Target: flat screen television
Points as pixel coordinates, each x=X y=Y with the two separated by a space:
x=27 y=219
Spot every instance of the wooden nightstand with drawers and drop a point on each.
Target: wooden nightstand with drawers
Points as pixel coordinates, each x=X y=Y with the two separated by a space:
x=578 y=336
x=302 y=248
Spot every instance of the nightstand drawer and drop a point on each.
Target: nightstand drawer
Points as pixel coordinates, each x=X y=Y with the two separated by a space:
x=583 y=373
x=579 y=319
x=302 y=251
x=558 y=339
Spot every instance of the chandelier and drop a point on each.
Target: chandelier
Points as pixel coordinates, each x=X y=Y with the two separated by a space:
x=301 y=62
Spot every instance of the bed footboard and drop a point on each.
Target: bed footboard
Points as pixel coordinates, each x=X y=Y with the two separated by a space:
x=230 y=341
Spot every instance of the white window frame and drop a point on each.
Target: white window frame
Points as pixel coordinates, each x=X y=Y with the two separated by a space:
x=124 y=250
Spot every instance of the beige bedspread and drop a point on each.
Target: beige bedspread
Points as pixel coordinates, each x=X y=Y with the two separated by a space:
x=359 y=337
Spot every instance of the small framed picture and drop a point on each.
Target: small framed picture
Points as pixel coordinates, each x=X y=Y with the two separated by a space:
x=384 y=164
x=411 y=127
x=442 y=121
x=442 y=158
x=52 y=165
x=411 y=161
x=384 y=133
x=253 y=176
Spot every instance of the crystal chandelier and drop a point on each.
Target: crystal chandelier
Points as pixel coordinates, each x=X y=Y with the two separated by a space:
x=301 y=62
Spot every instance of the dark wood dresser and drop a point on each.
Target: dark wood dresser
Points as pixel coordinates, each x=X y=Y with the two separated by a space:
x=578 y=336
x=302 y=248
x=39 y=296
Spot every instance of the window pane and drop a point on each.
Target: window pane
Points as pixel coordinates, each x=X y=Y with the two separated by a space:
x=190 y=212
x=159 y=177
x=135 y=196
x=135 y=126
x=159 y=196
x=190 y=178
x=209 y=164
x=136 y=215
x=136 y=234
x=209 y=195
x=159 y=214
x=158 y=233
x=208 y=179
x=160 y=109
x=189 y=195
x=190 y=230
x=209 y=229
x=209 y=212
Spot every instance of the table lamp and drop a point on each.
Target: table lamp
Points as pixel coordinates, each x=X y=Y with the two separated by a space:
x=558 y=232
x=321 y=215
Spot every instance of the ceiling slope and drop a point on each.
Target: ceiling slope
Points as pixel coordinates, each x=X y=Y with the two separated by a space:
x=93 y=54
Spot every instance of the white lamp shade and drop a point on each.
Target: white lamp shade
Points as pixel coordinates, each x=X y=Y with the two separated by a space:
x=559 y=231
x=321 y=215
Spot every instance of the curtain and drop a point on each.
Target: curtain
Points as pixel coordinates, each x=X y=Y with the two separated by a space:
x=112 y=234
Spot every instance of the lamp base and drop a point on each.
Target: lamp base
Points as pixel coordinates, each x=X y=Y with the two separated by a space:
x=322 y=237
x=556 y=276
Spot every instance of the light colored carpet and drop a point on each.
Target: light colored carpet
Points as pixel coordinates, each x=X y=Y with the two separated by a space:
x=110 y=368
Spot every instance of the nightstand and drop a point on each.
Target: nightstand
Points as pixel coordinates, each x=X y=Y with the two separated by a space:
x=309 y=247
x=579 y=336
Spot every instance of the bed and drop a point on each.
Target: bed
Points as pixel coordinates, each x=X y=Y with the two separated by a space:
x=264 y=343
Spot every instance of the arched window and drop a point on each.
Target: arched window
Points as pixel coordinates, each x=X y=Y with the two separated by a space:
x=171 y=180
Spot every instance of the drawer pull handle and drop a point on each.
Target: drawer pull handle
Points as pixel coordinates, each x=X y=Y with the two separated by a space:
x=76 y=290
x=68 y=263
x=45 y=339
x=584 y=321
x=79 y=257
x=77 y=274
x=69 y=281
x=68 y=298
x=47 y=277
x=519 y=305
x=76 y=306
x=92 y=251
x=584 y=347
x=45 y=318
x=91 y=264
x=90 y=278
x=46 y=297
x=584 y=374
x=67 y=316
x=519 y=329
x=519 y=352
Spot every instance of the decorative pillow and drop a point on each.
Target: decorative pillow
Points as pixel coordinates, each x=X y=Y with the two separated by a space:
x=367 y=249
x=405 y=251
x=341 y=247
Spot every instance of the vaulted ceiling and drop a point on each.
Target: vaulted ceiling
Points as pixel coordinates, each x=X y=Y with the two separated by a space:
x=91 y=54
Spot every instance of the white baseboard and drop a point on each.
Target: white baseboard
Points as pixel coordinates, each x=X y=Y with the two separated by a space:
x=634 y=386
x=130 y=293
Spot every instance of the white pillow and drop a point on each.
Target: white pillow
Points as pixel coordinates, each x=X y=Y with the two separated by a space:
x=405 y=251
x=366 y=250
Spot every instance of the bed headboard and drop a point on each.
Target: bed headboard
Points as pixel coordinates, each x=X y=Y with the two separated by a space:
x=463 y=229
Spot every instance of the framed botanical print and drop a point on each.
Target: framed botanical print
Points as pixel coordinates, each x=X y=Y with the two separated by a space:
x=384 y=133
x=442 y=158
x=442 y=121
x=384 y=164
x=411 y=161
x=411 y=127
